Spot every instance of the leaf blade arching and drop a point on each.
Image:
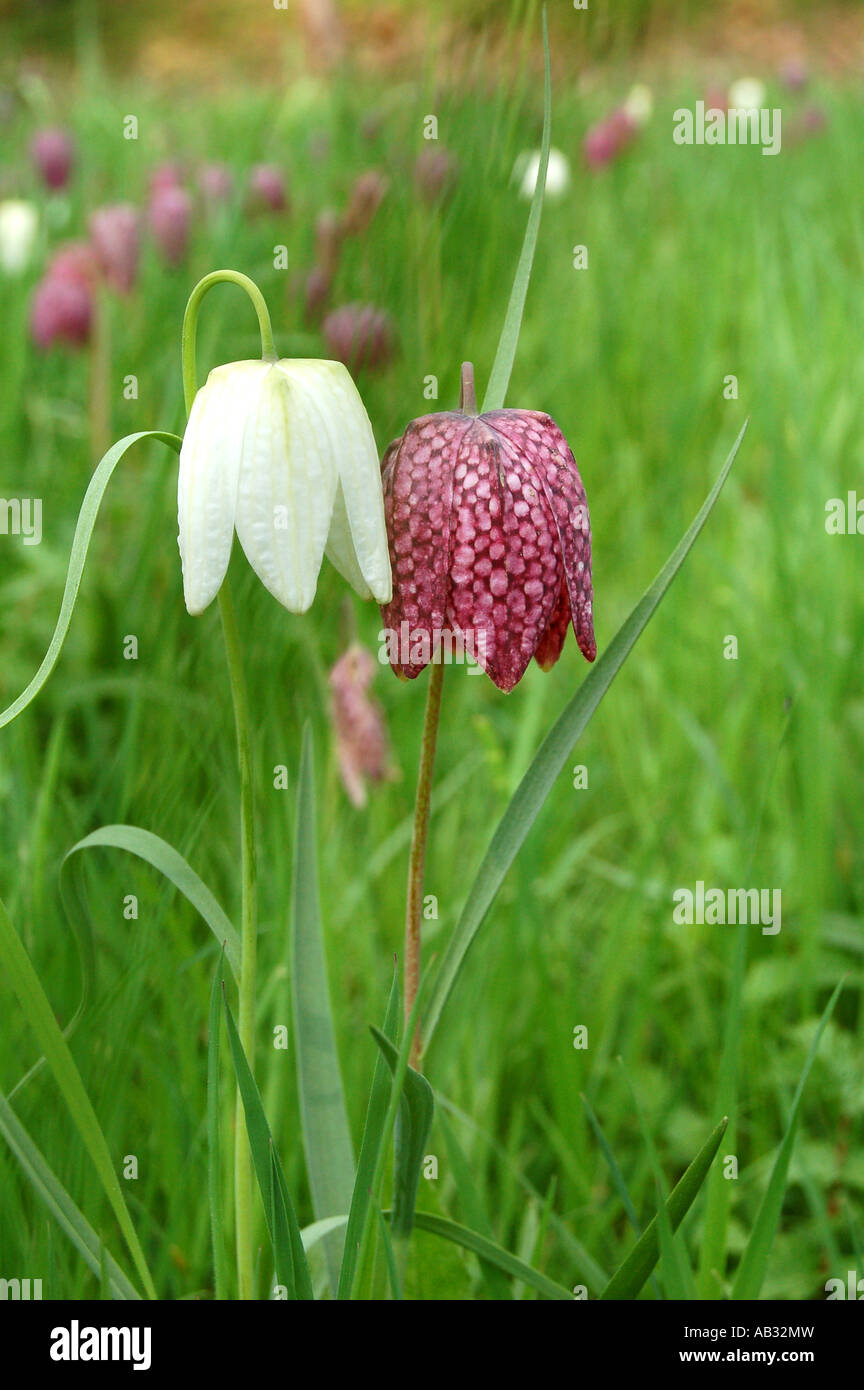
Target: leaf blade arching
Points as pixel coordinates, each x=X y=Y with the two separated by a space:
x=529 y=797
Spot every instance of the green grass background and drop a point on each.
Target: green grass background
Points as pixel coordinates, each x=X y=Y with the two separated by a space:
x=702 y=263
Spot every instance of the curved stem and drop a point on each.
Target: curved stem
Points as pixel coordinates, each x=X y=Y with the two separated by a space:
x=417 y=860
x=248 y=941
x=190 y=323
x=248 y=925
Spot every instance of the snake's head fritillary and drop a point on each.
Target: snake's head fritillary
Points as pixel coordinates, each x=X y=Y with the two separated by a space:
x=490 y=540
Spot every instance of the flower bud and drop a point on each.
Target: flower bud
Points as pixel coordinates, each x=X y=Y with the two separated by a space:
x=366 y=196
x=360 y=336
x=605 y=141
x=362 y=745
x=61 y=311
x=169 y=214
x=115 y=238
x=267 y=188
x=215 y=183
x=527 y=168
x=53 y=154
x=19 y=224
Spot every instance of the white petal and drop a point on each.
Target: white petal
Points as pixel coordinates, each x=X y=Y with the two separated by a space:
x=287 y=486
x=357 y=540
x=207 y=483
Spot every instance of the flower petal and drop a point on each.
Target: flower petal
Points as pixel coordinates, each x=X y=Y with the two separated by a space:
x=540 y=442
x=287 y=484
x=357 y=538
x=207 y=483
x=417 y=474
x=505 y=568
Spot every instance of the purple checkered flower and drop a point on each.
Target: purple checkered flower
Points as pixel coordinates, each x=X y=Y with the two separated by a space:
x=490 y=538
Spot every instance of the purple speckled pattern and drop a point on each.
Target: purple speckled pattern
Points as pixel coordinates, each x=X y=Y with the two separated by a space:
x=490 y=537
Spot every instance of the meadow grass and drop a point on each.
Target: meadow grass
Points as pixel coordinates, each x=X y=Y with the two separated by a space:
x=702 y=263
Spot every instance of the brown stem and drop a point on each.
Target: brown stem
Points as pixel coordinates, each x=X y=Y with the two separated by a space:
x=417 y=861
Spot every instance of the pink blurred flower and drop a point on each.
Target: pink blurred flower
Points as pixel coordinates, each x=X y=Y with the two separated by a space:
x=328 y=240
x=716 y=98
x=167 y=175
x=360 y=336
x=435 y=173
x=74 y=261
x=606 y=139
x=115 y=238
x=53 y=153
x=362 y=744
x=794 y=74
x=366 y=196
x=169 y=216
x=215 y=183
x=267 y=188
x=61 y=310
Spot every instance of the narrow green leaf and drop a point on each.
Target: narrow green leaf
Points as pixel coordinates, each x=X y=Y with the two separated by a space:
x=754 y=1262
x=416 y=1108
x=627 y=1281
x=326 y=1134
x=526 y=803
x=617 y=1176
x=499 y=377
x=389 y=1256
x=174 y=867
x=40 y=1015
x=214 y=1143
x=370 y=1147
x=675 y=1271
x=283 y=1229
x=311 y=1235
x=488 y=1250
x=80 y=545
x=61 y=1206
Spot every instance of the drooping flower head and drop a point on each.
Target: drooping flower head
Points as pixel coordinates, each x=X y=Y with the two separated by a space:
x=53 y=154
x=19 y=225
x=62 y=306
x=490 y=540
x=606 y=140
x=283 y=452
x=266 y=188
x=362 y=744
x=169 y=213
x=115 y=238
x=361 y=336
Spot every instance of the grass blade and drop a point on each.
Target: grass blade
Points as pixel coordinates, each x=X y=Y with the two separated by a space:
x=326 y=1134
x=754 y=1262
x=173 y=866
x=284 y=1231
x=526 y=803
x=499 y=377
x=370 y=1147
x=488 y=1250
x=627 y=1281
x=416 y=1108
x=214 y=1146
x=473 y=1207
x=40 y=1015
x=61 y=1206
x=80 y=545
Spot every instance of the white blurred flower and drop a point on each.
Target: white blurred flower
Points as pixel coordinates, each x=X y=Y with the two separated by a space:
x=527 y=167
x=19 y=223
x=284 y=453
x=747 y=94
x=639 y=104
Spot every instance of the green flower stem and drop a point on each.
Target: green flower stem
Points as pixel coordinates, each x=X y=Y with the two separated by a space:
x=417 y=860
x=190 y=323
x=248 y=942
x=249 y=920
